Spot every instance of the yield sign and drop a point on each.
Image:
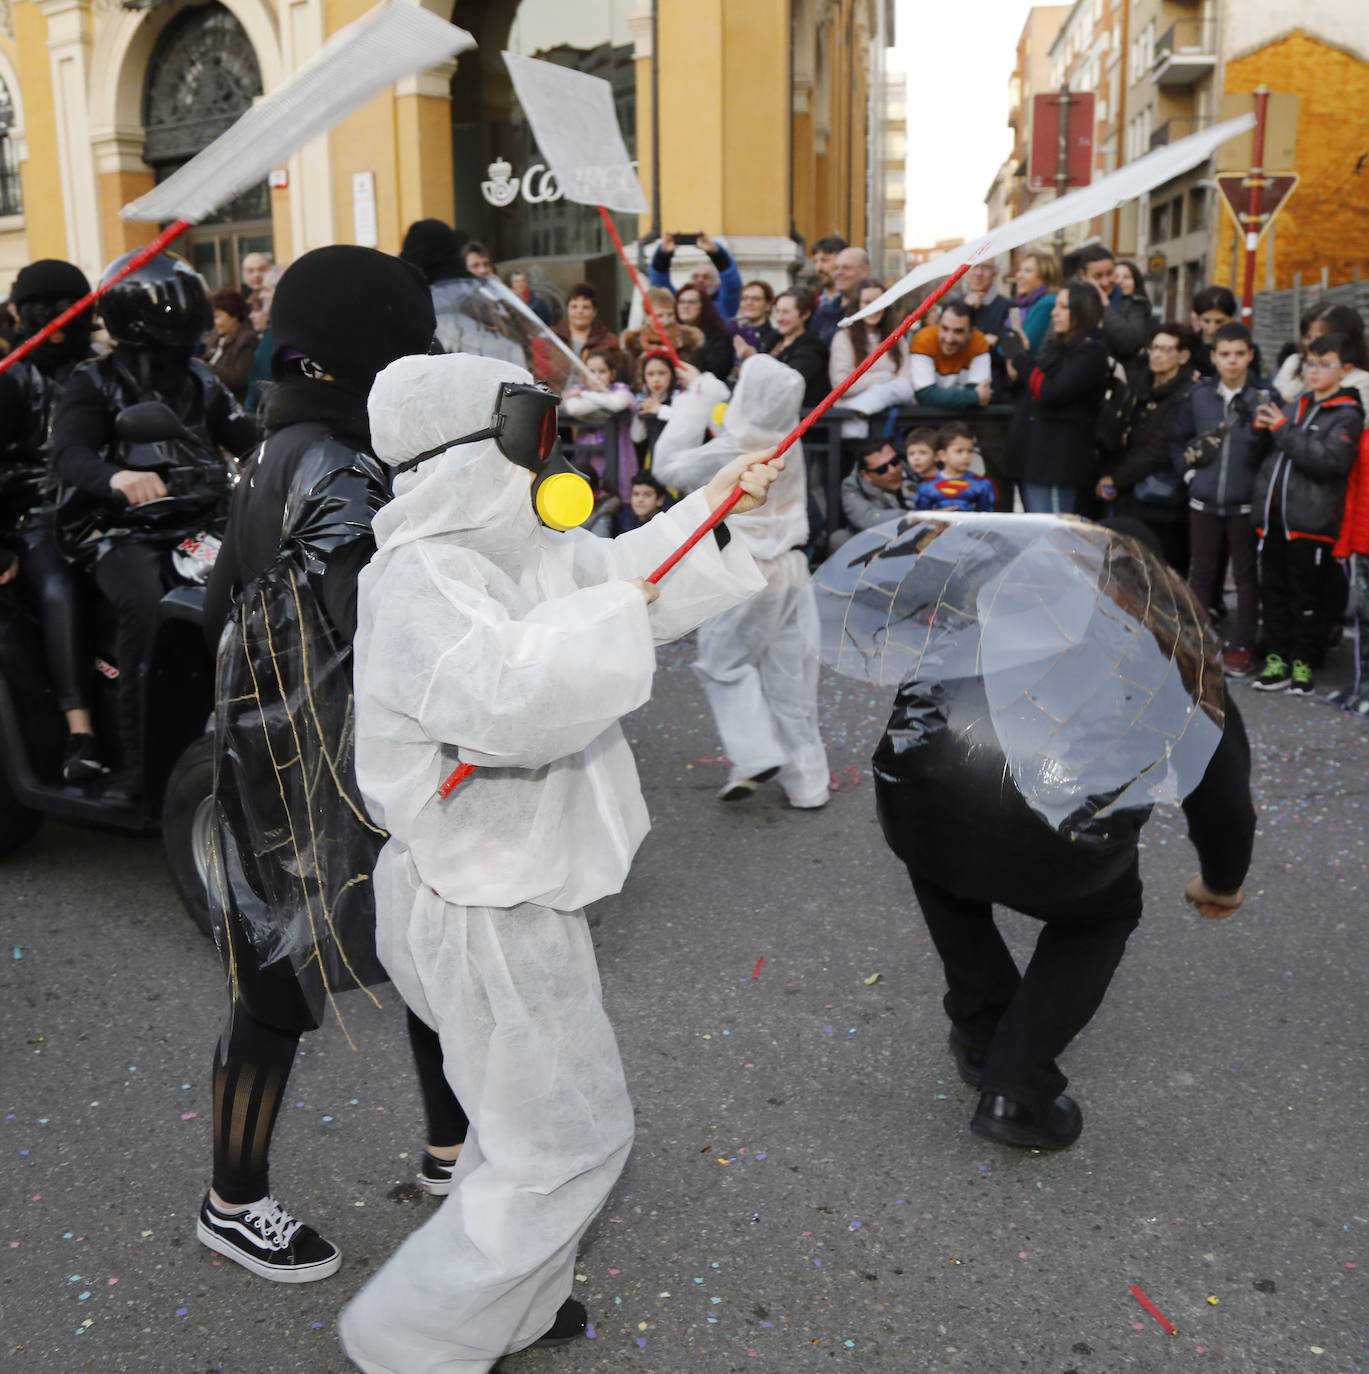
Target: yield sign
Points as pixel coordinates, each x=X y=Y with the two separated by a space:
x=1275 y=188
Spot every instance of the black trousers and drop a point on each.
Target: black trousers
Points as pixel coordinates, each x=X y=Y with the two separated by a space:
x=1293 y=595
x=130 y=576
x=1020 y=1022
x=51 y=584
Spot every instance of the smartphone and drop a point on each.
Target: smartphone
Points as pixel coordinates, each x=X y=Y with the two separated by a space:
x=685 y=240
x=1263 y=397
x=751 y=336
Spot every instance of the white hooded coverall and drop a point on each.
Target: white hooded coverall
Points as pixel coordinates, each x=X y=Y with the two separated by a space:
x=758 y=663
x=485 y=638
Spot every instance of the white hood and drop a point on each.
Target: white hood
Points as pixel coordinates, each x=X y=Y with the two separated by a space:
x=472 y=490
x=762 y=410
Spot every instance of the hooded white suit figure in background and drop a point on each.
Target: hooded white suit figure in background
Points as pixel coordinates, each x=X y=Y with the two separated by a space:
x=485 y=638
x=758 y=663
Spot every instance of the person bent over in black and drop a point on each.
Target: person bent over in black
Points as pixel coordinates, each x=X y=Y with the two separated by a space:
x=1056 y=680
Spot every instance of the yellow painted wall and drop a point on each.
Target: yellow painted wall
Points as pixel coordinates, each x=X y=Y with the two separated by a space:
x=406 y=142
x=43 y=212
x=692 y=101
x=116 y=190
x=423 y=127
x=1325 y=223
x=282 y=242
x=755 y=109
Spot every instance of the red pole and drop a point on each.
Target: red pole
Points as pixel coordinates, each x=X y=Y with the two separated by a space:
x=1252 y=218
x=637 y=282
x=144 y=256
x=459 y=774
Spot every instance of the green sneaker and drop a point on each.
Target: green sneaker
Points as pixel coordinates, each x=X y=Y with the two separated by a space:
x=1301 y=685
x=1274 y=676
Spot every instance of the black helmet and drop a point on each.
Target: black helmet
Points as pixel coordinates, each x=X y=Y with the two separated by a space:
x=352 y=311
x=164 y=304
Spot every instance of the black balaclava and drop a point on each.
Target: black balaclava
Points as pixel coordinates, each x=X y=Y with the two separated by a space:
x=347 y=312
x=433 y=247
x=37 y=289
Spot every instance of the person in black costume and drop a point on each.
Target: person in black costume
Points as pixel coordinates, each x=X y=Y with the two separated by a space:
x=1034 y=728
x=28 y=390
x=295 y=848
x=156 y=316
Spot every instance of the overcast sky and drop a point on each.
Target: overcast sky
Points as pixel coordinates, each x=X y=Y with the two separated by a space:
x=959 y=58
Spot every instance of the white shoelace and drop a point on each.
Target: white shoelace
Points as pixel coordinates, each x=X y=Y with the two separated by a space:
x=276 y=1225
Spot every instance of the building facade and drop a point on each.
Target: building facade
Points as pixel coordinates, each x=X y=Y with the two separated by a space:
x=750 y=122
x=1162 y=69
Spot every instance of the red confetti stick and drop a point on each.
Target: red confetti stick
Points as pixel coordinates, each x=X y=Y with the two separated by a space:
x=797 y=433
x=145 y=255
x=1152 y=1309
x=756 y=972
x=814 y=415
x=637 y=282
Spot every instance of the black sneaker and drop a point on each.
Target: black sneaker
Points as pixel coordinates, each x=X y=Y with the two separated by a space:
x=745 y=787
x=571 y=1323
x=267 y=1240
x=81 y=761
x=435 y=1175
x=1274 y=676
x=1303 y=683
x=1049 y=1126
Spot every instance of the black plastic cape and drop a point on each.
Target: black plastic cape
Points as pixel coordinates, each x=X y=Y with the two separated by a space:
x=295 y=848
x=1054 y=681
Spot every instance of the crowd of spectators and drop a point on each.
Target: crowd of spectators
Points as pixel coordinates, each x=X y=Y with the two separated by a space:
x=1051 y=387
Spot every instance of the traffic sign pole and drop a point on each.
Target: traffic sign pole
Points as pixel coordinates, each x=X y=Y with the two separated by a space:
x=1252 y=224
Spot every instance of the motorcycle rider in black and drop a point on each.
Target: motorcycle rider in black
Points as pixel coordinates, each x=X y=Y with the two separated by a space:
x=155 y=315
x=28 y=390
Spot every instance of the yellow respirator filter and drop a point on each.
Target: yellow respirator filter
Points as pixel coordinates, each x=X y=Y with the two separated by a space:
x=719 y=411
x=563 y=500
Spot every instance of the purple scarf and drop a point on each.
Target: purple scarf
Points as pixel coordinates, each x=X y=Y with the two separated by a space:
x=1032 y=296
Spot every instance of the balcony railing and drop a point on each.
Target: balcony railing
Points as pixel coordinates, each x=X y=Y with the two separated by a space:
x=1172 y=130
x=1186 y=52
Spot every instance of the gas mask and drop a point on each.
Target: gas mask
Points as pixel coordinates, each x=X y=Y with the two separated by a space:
x=523 y=427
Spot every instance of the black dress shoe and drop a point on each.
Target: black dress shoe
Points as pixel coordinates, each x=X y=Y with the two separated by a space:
x=968 y=1058
x=1055 y=1126
x=571 y=1321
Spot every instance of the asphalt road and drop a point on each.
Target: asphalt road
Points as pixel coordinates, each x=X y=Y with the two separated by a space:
x=804 y=1193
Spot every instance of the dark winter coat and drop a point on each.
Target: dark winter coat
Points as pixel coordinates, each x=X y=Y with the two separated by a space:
x=1148 y=452
x=293 y=835
x=1053 y=432
x=1222 y=485
x=807 y=355
x=1126 y=327
x=718 y=356
x=1300 y=487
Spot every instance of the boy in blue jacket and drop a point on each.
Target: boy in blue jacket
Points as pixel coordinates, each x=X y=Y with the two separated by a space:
x=1299 y=499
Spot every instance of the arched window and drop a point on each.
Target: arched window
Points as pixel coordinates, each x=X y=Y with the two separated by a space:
x=203 y=74
x=11 y=195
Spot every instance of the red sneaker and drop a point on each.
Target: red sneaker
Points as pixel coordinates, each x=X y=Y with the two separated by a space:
x=1238 y=662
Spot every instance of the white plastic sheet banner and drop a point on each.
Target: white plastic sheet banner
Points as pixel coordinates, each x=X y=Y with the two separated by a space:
x=1146 y=173
x=393 y=40
x=575 y=124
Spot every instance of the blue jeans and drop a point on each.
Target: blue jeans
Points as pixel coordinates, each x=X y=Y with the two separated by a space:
x=1040 y=499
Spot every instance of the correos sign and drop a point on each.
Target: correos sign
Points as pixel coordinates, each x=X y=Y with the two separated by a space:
x=537 y=185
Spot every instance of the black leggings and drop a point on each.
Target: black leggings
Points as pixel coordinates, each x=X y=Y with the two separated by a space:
x=252 y=1065
x=51 y=584
x=1021 y=1021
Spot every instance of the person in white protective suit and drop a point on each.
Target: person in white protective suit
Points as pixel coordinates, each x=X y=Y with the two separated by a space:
x=486 y=639
x=758 y=663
